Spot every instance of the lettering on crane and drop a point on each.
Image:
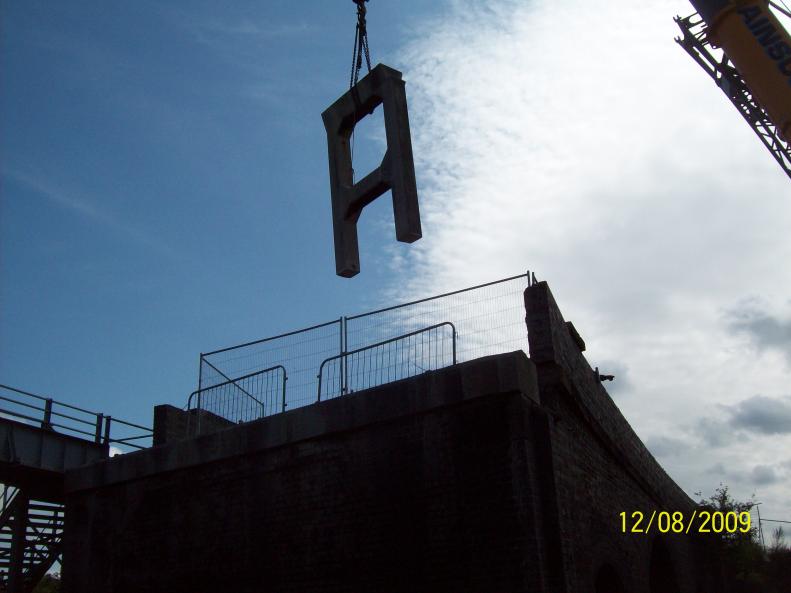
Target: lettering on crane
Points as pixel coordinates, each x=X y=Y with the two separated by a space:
x=770 y=39
x=381 y=86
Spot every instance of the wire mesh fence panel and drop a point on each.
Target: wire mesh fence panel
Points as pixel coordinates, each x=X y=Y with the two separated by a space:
x=210 y=375
x=370 y=349
x=245 y=398
x=489 y=319
x=300 y=353
x=400 y=357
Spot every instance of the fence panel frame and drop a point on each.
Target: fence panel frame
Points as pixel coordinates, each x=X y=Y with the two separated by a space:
x=343 y=324
x=343 y=356
x=235 y=382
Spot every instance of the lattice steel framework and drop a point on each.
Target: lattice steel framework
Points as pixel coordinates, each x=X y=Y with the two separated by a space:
x=717 y=64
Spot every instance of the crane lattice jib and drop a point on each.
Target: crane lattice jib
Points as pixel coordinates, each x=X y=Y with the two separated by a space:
x=721 y=69
x=760 y=48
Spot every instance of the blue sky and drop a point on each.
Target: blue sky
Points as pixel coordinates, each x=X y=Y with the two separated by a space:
x=165 y=192
x=165 y=187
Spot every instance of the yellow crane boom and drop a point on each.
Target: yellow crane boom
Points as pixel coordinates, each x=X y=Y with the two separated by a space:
x=754 y=70
x=760 y=48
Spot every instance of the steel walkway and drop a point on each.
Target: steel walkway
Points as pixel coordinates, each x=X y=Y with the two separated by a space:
x=41 y=439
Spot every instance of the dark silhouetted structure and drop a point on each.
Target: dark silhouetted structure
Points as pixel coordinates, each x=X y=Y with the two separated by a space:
x=40 y=439
x=500 y=474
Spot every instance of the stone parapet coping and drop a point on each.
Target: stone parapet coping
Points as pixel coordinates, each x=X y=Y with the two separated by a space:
x=492 y=375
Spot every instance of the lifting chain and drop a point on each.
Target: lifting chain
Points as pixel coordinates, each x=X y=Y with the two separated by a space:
x=360 y=44
x=360 y=50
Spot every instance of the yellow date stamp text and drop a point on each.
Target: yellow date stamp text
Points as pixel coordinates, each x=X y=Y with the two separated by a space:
x=701 y=521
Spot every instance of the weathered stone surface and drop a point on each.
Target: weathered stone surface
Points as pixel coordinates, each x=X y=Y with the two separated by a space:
x=601 y=468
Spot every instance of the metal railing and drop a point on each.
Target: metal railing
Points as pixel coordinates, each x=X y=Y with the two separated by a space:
x=50 y=414
x=243 y=399
x=387 y=361
x=487 y=319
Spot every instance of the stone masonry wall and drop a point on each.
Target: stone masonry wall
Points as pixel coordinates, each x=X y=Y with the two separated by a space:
x=173 y=424
x=602 y=468
x=429 y=484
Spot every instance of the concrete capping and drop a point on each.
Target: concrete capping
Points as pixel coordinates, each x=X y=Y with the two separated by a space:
x=510 y=373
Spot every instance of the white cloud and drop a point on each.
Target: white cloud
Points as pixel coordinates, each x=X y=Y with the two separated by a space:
x=763 y=474
x=763 y=414
x=765 y=330
x=579 y=140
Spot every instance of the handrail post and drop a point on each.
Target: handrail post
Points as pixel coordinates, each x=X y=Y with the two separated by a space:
x=198 y=413
x=285 y=378
x=107 y=423
x=453 y=327
x=99 y=421
x=341 y=334
x=200 y=372
x=345 y=362
x=46 y=424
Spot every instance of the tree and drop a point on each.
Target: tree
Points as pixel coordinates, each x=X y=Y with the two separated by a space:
x=778 y=562
x=778 y=541
x=748 y=566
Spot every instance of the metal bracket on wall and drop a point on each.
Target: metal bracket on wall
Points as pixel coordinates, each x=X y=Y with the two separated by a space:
x=382 y=86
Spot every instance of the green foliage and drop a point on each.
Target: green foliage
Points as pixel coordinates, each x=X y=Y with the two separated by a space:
x=778 y=562
x=721 y=501
x=748 y=566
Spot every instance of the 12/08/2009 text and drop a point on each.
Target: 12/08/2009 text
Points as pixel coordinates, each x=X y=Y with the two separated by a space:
x=676 y=522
